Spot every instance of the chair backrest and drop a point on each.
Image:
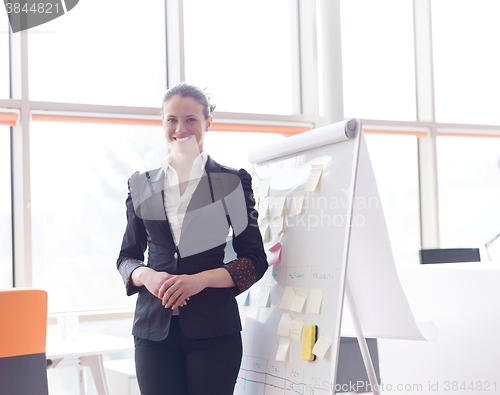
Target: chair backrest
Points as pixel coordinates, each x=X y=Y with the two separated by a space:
x=23 y=331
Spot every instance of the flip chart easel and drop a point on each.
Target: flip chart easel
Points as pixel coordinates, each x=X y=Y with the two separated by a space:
x=325 y=234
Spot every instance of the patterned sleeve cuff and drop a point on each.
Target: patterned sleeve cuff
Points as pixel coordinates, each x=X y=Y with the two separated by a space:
x=126 y=268
x=242 y=272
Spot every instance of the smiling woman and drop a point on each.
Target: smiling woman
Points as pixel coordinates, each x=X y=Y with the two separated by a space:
x=186 y=118
x=187 y=325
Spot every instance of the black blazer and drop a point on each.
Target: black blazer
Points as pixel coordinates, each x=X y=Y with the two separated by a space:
x=222 y=198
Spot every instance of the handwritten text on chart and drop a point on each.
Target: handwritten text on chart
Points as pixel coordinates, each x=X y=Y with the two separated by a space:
x=322 y=276
x=294 y=275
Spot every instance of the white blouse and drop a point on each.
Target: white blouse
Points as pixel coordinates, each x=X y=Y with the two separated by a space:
x=175 y=204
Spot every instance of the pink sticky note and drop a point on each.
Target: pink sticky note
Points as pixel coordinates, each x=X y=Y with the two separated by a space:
x=274 y=255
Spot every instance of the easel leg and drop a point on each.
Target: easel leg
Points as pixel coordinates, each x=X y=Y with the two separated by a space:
x=362 y=341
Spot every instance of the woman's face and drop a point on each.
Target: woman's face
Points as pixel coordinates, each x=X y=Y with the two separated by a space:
x=184 y=124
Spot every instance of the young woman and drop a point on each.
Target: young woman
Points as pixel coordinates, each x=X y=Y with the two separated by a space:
x=186 y=324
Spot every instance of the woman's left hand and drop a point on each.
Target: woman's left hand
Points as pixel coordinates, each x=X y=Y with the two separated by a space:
x=177 y=289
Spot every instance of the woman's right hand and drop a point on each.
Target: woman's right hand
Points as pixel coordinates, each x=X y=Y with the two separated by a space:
x=150 y=278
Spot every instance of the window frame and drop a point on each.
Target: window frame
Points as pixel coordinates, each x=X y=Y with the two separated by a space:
x=306 y=116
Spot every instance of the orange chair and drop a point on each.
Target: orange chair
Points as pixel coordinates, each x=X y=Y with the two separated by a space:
x=23 y=330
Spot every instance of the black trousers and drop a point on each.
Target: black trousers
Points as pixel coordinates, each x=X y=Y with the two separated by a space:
x=180 y=365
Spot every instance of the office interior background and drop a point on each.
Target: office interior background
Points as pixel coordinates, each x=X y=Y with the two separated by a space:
x=79 y=113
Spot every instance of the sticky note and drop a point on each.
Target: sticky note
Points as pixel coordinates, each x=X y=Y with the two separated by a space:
x=296 y=328
x=285 y=325
x=263 y=208
x=299 y=300
x=274 y=254
x=264 y=295
x=286 y=301
x=279 y=205
x=315 y=301
x=297 y=203
x=314 y=177
x=322 y=345
x=277 y=225
x=245 y=299
x=308 y=341
x=264 y=187
x=264 y=231
x=283 y=347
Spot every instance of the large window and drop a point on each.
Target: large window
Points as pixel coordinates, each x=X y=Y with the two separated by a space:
x=242 y=52
x=466 y=61
x=79 y=178
x=395 y=164
x=232 y=148
x=101 y=52
x=469 y=192
x=5 y=210
x=378 y=59
x=4 y=55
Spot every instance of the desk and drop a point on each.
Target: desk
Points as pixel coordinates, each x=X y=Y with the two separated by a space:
x=88 y=348
x=463 y=301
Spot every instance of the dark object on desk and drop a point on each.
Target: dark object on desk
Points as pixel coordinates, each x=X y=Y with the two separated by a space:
x=449 y=255
x=351 y=371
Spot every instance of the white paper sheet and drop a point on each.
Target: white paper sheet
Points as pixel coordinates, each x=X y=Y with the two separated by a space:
x=322 y=345
x=379 y=298
x=284 y=345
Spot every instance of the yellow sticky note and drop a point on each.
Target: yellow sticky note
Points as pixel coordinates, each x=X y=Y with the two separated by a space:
x=277 y=225
x=315 y=301
x=285 y=325
x=264 y=187
x=299 y=300
x=308 y=341
x=286 y=301
x=264 y=231
x=314 y=177
x=264 y=296
x=296 y=328
x=263 y=208
x=297 y=203
x=279 y=205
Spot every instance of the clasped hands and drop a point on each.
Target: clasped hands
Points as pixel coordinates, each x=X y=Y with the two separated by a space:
x=173 y=290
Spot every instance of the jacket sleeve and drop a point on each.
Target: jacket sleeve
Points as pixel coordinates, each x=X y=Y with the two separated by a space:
x=251 y=262
x=133 y=246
